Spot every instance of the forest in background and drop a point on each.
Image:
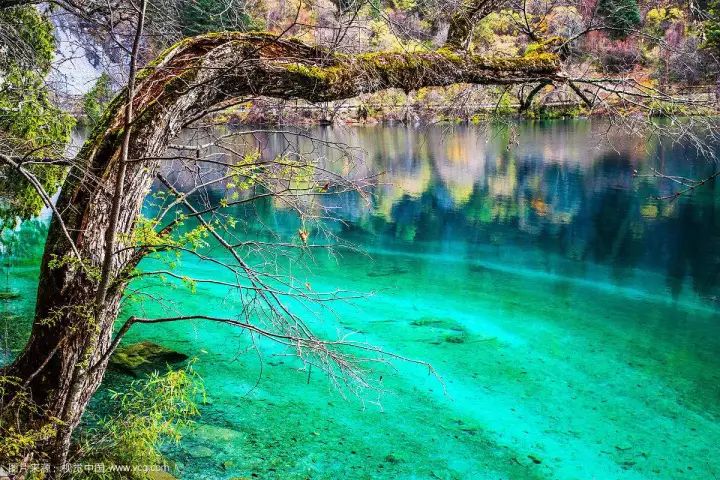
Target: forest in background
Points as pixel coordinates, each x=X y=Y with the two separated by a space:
x=673 y=47
x=658 y=44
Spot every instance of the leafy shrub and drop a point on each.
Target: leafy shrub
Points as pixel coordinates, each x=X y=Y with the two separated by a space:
x=614 y=56
x=685 y=63
x=149 y=413
x=17 y=438
x=565 y=22
x=658 y=20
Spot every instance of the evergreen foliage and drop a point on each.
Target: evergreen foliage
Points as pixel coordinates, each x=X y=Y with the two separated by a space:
x=203 y=16
x=30 y=123
x=621 y=17
x=712 y=28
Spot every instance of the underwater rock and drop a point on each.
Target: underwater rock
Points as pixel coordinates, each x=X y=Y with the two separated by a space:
x=391 y=458
x=160 y=475
x=144 y=357
x=201 y=452
x=212 y=434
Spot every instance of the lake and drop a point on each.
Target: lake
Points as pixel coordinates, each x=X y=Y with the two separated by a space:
x=571 y=316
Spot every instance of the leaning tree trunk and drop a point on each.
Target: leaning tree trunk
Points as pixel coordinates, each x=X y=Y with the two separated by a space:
x=65 y=358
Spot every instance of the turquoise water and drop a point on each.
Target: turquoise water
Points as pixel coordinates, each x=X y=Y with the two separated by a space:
x=571 y=317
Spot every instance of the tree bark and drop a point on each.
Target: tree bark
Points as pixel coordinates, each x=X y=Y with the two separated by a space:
x=184 y=83
x=466 y=17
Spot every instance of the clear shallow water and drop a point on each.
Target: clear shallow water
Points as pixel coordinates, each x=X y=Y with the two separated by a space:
x=572 y=317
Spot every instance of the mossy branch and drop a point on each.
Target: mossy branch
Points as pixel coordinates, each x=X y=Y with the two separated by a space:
x=198 y=73
x=290 y=69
